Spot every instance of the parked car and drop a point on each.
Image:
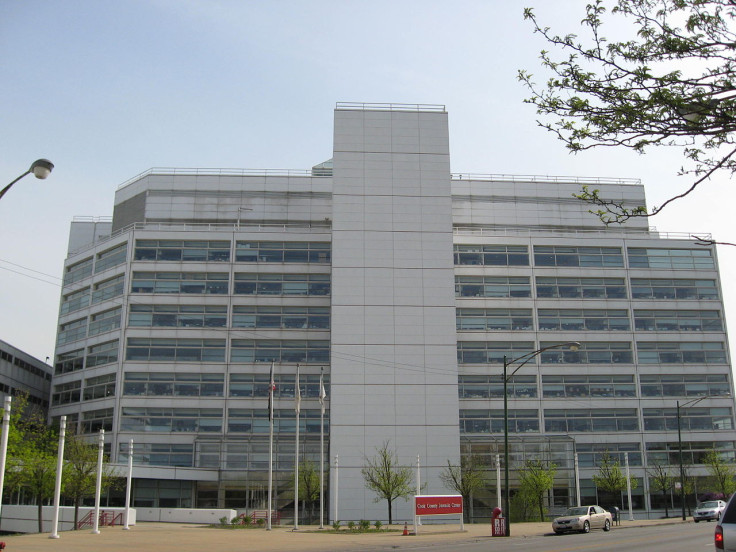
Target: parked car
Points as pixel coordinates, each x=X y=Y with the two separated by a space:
x=583 y=519
x=709 y=510
x=725 y=537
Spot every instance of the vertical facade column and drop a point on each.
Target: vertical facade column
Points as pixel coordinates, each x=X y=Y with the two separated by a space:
x=393 y=340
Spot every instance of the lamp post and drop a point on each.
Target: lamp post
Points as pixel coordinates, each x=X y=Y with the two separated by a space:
x=40 y=168
x=574 y=346
x=687 y=404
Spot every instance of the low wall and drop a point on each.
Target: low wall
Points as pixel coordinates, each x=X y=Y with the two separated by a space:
x=184 y=515
x=24 y=519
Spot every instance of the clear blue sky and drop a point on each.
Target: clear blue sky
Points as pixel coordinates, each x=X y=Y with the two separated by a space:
x=108 y=89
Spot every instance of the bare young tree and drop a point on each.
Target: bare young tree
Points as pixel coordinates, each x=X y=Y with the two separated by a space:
x=660 y=479
x=384 y=476
x=465 y=479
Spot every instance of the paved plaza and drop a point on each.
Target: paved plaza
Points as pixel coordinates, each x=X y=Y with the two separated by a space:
x=174 y=537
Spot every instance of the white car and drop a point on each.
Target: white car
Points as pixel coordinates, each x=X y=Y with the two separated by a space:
x=583 y=519
x=709 y=510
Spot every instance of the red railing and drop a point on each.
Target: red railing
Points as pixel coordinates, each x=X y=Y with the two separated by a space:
x=255 y=515
x=109 y=519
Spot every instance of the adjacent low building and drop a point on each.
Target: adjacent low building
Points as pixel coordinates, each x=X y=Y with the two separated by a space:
x=405 y=285
x=21 y=373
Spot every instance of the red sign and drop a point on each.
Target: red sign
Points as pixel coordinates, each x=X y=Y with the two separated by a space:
x=436 y=505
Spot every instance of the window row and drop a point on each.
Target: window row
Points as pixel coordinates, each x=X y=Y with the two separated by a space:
x=241 y=350
x=594 y=352
x=583 y=256
x=588 y=320
x=218 y=283
x=23 y=365
x=599 y=386
x=559 y=287
x=98 y=323
x=83 y=298
x=98 y=387
x=210 y=420
x=595 y=420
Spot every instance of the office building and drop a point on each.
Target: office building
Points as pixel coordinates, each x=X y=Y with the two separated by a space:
x=405 y=285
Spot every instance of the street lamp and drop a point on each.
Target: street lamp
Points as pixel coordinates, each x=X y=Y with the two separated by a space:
x=687 y=404
x=574 y=346
x=40 y=168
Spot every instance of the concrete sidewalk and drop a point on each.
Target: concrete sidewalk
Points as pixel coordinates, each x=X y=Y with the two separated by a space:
x=174 y=537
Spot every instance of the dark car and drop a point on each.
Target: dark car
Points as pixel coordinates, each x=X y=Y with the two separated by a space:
x=725 y=537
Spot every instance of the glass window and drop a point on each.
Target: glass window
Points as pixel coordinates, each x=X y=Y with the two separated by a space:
x=580 y=288
x=492 y=421
x=491 y=352
x=102 y=291
x=105 y=321
x=159 y=454
x=168 y=420
x=182 y=250
x=175 y=350
x=74 y=301
x=599 y=386
x=281 y=317
x=491 y=387
x=681 y=288
x=72 y=331
x=178 y=316
x=285 y=351
x=99 y=387
x=557 y=255
x=491 y=255
x=69 y=362
x=494 y=319
x=199 y=283
x=693 y=259
x=492 y=286
x=691 y=419
x=684 y=385
x=104 y=353
x=78 y=271
x=590 y=352
x=584 y=319
x=678 y=320
x=112 y=257
x=173 y=384
x=95 y=420
x=693 y=452
x=590 y=420
x=590 y=455
x=282 y=284
x=283 y=252
x=66 y=393
x=247 y=420
x=684 y=352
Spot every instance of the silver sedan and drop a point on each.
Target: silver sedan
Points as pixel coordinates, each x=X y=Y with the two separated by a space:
x=583 y=519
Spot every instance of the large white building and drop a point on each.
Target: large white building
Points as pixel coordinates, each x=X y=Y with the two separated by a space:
x=406 y=285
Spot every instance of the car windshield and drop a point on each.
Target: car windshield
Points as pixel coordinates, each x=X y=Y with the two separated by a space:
x=709 y=504
x=577 y=511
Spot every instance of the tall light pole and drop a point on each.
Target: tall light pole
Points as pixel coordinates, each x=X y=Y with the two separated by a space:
x=40 y=168
x=523 y=359
x=687 y=404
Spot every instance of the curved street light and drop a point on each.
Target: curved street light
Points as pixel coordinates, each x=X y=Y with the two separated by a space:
x=688 y=404
x=40 y=168
x=525 y=358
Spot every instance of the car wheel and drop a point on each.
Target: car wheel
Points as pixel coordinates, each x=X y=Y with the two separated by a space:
x=696 y=520
x=586 y=527
x=558 y=532
x=607 y=526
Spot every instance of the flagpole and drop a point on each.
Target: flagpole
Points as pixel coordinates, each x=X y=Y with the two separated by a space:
x=322 y=395
x=270 y=447
x=297 y=410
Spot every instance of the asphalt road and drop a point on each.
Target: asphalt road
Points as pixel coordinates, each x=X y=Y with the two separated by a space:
x=668 y=538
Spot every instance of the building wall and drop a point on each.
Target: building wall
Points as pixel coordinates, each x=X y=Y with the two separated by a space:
x=20 y=372
x=393 y=350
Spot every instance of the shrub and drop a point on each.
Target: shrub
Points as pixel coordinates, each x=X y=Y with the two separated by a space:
x=247 y=520
x=235 y=521
x=351 y=525
x=261 y=522
x=365 y=524
x=378 y=525
x=223 y=520
x=336 y=525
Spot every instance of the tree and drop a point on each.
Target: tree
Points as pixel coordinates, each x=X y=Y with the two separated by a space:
x=308 y=484
x=609 y=477
x=80 y=471
x=721 y=474
x=670 y=83
x=464 y=479
x=661 y=480
x=386 y=478
x=32 y=458
x=535 y=481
